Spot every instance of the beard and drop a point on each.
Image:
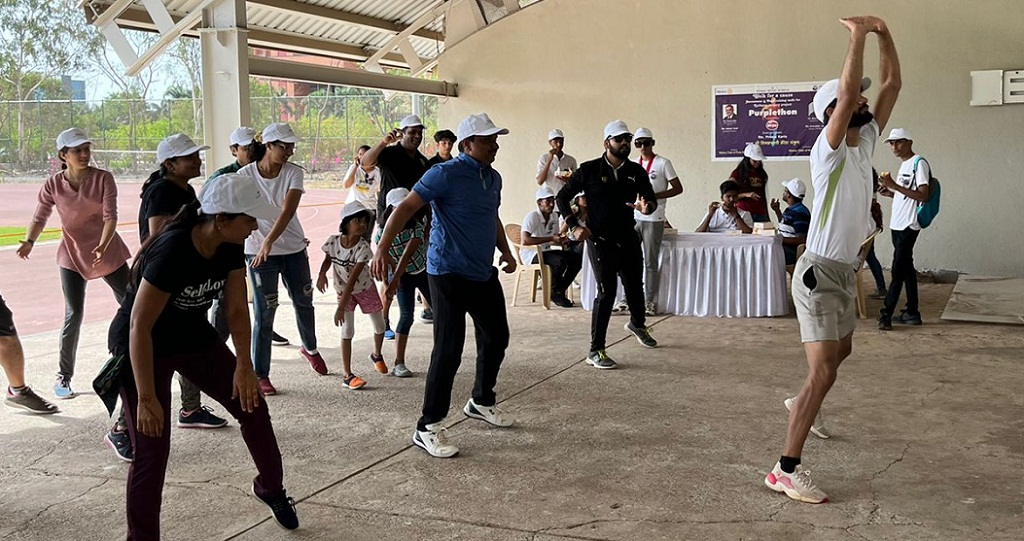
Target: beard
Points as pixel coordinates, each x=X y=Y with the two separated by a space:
x=860 y=119
x=622 y=153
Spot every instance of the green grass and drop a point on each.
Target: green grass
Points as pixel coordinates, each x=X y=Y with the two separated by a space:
x=10 y=236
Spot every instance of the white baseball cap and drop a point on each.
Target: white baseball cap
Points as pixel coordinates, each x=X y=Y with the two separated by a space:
x=544 y=192
x=899 y=133
x=71 y=138
x=754 y=152
x=478 y=124
x=615 y=128
x=396 y=196
x=280 y=132
x=243 y=136
x=795 y=187
x=555 y=134
x=176 y=145
x=411 y=121
x=827 y=92
x=232 y=193
x=643 y=133
x=353 y=208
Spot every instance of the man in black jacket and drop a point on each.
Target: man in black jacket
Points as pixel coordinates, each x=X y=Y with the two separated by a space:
x=614 y=187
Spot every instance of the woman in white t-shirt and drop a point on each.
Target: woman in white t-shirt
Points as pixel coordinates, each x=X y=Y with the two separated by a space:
x=362 y=184
x=277 y=250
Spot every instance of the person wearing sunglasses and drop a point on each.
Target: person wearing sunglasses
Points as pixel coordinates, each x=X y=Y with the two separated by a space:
x=614 y=187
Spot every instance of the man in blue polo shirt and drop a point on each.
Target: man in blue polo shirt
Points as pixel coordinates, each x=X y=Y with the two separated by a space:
x=464 y=195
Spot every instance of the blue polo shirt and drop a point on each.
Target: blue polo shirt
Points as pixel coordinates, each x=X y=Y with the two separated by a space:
x=464 y=195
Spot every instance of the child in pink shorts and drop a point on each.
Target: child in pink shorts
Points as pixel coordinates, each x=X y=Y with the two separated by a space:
x=349 y=253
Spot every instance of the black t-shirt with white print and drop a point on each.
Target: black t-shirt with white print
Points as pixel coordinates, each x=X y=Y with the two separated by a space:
x=174 y=266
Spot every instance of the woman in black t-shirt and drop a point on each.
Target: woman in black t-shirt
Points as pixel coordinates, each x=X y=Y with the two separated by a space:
x=162 y=328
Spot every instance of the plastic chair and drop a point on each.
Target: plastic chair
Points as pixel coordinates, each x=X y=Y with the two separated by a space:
x=536 y=270
x=862 y=300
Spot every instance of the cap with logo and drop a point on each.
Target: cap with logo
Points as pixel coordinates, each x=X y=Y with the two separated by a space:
x=177 y=145
x=544 y=192
x=616 y=128
x=827 y=92
x=899 y=133
x=396 y=196
x=411 y=121
x=71 y=138
x=643 y=133
x=280 y=132
x=796 y=187
x=355 y=207
x=232 y=193
x=478 y=124
x=754 y=152
x=555 y=134
x=243 y=136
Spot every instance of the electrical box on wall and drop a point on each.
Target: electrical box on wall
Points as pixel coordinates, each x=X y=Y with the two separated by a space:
x=987 y=87
x=1013 y=86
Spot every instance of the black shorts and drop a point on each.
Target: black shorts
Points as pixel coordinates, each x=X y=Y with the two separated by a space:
x=6 y=320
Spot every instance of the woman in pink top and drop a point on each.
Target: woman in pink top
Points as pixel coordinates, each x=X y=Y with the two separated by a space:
x=90 y=248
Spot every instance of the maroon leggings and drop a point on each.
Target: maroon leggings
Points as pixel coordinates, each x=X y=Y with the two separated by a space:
x=212 y=369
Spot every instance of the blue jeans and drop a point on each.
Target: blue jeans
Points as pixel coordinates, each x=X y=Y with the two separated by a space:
x=293 y=270
x=876 y=269
x=406 y=295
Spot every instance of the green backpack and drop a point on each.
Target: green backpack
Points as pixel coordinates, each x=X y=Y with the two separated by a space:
x=928 y=210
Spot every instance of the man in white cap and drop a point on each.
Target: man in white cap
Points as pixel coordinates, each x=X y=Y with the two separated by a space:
x=464 y=195
x=555 y=166
x=540 y=232
x=614 y=187
x=824 y=280
x=651 y=227
x=907 y=190
x=794 y=222
x=401 y=166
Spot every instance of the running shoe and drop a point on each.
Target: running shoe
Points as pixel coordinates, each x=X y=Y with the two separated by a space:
x=401 y=371
x=621 y=307
x=642 y=334
x=818 y=428
x=389 y=334
x=62 y=388
x=884 y=323
x=378 y=363
x=26 y=399
x=797 y=485
x=283 y=508
x=650 y=309
x=434 y=440
x=315 y=360
x=600 y=360
x=353 y=382
x=906 y=318
x=266 y=387
x=121 y=444
x=427 y=316
x=490 y=414
x=200 y=418
x=278 y=340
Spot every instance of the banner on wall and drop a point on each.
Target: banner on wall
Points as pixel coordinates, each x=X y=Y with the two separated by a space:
x=777 y=116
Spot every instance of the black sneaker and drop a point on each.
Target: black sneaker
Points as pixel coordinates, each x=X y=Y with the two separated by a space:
x=884 y=323
x=278 y=340
x=121 y=444
x=200 y=418
x=561 y=300
x=906 y=318
x=26 y=399
x=642 y=334
x=283 y=508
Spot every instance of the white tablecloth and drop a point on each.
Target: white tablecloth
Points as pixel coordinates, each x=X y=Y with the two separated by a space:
x=714 y=274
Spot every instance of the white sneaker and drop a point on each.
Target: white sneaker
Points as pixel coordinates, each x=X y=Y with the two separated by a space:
x=650 y=309
x=818 y=428
x=621 y=307
x=434 y=440
x=490 y=414
x=797 y=485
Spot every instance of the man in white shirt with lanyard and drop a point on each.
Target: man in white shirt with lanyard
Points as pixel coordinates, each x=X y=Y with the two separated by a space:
x=824 y=280
x=909 y=189
x=555 y=166
x=651 y=228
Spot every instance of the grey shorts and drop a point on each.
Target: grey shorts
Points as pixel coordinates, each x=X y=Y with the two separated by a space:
x=6 y=320
x=825 y=295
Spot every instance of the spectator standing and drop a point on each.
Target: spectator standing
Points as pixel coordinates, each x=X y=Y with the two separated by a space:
x=752 y=180
x=555 y=166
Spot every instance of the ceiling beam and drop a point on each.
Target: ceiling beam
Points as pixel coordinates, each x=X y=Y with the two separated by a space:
x=280 y=69
x=310 y=10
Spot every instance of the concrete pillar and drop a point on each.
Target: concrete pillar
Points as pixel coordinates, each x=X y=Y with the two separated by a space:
x=224 y=43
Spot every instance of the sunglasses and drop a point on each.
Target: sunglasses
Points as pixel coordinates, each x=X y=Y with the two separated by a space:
x=643 y=143
x=624 y=138
x=284 y=146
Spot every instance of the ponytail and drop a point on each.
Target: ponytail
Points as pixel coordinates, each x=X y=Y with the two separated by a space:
x=60 y=156
x=186 y=218
x=256 y=150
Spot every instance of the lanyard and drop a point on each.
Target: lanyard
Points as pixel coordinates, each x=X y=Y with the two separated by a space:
x=649 y=164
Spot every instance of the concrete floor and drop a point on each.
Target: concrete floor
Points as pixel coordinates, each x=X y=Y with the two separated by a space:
x=928 y=424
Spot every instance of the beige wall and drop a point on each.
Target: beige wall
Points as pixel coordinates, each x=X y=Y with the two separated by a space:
x=577 y=64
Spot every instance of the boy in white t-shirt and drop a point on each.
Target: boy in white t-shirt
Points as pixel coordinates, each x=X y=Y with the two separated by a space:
x=555 y=166
x=726 y=216
x=362 y=184
x=909 y=189
x=824 y=279
x=541 y=231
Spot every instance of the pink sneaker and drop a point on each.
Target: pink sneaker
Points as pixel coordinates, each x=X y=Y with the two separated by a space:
x=797 y=485
x=316 y=362
x=266 y=387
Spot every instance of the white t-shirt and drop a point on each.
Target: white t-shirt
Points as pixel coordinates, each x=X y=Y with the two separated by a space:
x=293 y=239
x=343 y=260
x=904 y=209
x=565 y=162
x=365 y=187
x=660 y=172
x=841 y=213
x=722 y=222
x=534 y=224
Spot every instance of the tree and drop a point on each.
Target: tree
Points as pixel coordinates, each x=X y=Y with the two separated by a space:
x=186 y=52
x=39 y=41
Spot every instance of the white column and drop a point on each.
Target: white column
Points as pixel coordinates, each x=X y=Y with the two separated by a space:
x=225 y=53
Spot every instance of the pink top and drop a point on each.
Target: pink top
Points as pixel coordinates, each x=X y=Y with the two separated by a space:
x=82 y=213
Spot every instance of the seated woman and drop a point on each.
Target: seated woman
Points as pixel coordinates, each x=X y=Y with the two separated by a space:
x=162 y=328
x=794 y=223
x=726 y=216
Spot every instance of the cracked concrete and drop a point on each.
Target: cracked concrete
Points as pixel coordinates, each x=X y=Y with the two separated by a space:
x=928 y=426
